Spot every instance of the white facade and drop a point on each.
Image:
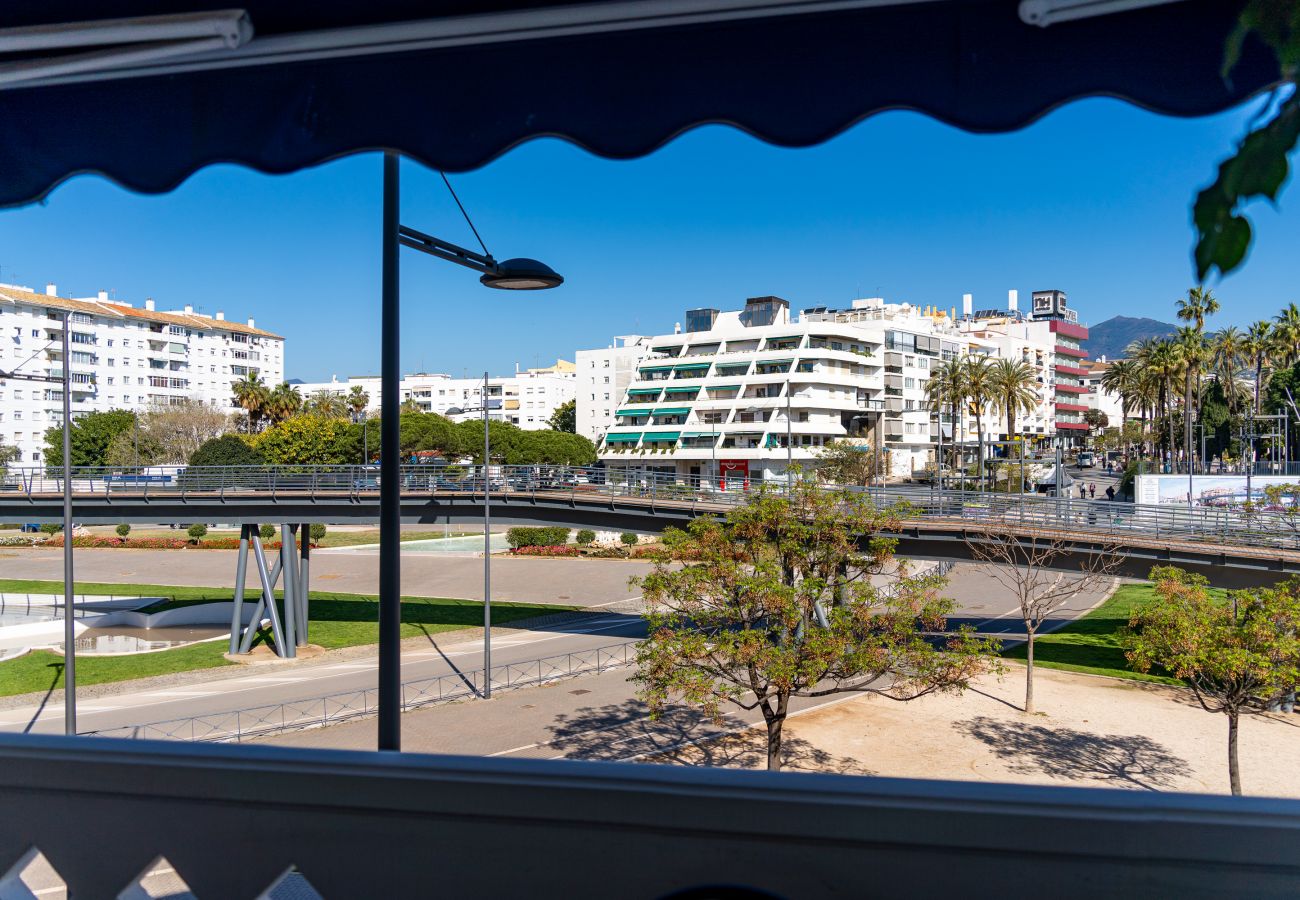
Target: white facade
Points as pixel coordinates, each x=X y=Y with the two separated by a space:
x=739 y=394
x=123 y=357
x=603 y=378
x=526 y=399
x=1101 y=399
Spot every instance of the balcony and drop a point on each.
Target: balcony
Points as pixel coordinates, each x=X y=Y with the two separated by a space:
x=1062 y=350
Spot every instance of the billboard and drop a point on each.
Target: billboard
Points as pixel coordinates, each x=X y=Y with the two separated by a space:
x=1207 y=490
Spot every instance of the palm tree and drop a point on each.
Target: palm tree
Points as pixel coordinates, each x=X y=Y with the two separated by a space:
x=977 y=374
x=357 y=400
x=284 y=402
x=1163 y=364
x=1015 y=386
x=1287 y=332
x=251 y=393
x=1193 y=350
x=946 y=386
x=328 y=404
x=1228 y=350
x=1123 y=377
x=1195 y=307
x=1260 y=350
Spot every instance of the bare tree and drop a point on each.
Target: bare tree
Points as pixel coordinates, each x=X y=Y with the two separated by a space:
x=1043 y=575
x=180 y=428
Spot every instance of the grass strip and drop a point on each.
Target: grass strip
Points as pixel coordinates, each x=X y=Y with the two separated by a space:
x=337 y=620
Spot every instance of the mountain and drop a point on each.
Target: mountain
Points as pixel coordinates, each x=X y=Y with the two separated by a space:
x=1112 y=337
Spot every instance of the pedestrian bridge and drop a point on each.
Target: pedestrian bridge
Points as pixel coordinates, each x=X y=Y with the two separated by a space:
x=1231 y=546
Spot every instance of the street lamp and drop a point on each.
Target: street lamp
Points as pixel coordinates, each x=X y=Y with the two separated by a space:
x=520 y=274
x=69 y=627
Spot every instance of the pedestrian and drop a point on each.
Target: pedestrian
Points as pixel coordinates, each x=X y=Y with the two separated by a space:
x=1110 y=492
x=1092 y=491
x=1083 y=492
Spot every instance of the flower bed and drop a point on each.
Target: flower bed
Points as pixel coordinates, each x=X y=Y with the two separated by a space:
x=546 y=550
x=98 y=542
x=22 y=540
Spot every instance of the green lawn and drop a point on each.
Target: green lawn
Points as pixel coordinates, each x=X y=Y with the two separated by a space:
x=1093 y=644
x=337 y=620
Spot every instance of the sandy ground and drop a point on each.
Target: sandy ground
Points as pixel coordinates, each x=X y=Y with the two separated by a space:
x=1090 y=732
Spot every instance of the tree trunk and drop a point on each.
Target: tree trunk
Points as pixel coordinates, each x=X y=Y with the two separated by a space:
x=1187 y=419
x=1169 y=401
x=1029 y=673
x=1234 y=768
x=775 y=723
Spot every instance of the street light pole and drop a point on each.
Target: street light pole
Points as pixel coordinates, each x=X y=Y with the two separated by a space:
x=69 y=623
x=487 y=547
x=390 y=498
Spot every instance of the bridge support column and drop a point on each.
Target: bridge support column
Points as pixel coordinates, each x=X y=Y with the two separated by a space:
x=304 y=582
x=241 y=573
x=289 y=564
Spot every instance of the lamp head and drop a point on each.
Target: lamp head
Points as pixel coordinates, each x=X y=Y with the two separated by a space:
x=522 y=274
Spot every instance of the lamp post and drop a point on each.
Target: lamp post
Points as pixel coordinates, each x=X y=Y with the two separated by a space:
x=512 y=274
x=69 y=623
x=487 y=547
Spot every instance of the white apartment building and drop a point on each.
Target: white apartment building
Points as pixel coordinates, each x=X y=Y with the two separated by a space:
x=122 y=357
x=738 y=395
x=1050 y=340
x=527 y=399
x=603 y=379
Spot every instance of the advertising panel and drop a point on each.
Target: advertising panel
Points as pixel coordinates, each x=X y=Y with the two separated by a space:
x=1207 y=490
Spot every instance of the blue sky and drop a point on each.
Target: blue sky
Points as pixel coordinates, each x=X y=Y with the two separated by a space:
x=1093 y=199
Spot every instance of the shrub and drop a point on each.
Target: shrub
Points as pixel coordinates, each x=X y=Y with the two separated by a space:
x=549 y=536
x=545 y=550
x=266 y=532
x=227 y=451
x=123 y=530
x=586 y=537
x=628 y=538
x=316 y=532
x=51 y=528
x=197 y=531
x=607 y=553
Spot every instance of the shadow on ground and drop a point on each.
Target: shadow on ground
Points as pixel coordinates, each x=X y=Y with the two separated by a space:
x=1118 y=760
x=681 y=736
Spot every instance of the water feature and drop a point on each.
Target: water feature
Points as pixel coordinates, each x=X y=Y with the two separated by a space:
x=466 y=545
x=114 y=640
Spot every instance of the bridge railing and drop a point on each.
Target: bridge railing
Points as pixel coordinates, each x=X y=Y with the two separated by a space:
x=1274 y=527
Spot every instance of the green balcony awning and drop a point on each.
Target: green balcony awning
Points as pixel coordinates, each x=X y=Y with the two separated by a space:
x=724 y=387
x=696 y=434
x=654 y=391
x=774 y=362
x=622 y=438
x=792 y=337
x=654 y=368
x=633 y=412
x=662 y=435
x=673 y=411
x=691 y=367
x=693 y=389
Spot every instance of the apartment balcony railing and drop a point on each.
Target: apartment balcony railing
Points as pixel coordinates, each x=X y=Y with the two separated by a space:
x=234 y=821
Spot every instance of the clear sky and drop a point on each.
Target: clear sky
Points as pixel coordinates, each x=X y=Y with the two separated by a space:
x=1094 y=199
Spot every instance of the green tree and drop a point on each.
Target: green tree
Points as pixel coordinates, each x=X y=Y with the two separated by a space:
x=227 y=451
x=777 y=602
x=197 y=531
x=586 y=537
x=307 y=440
x=1096 y=419
x=133 y=448
x=845 y=462
x=1239 y=655
x=1123 y=378
x=1259 y=350
x=91 y=435
x=981 y=391
x=326 y=404
x=8 y=455
x=252 y=395
x=357 y=400
x=1259 y=167
x=123 y=530
x=565 y=418
x=284 y=402
x=1015 y=390
x=946 y=386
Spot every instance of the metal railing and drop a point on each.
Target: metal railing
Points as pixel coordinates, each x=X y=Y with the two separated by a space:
x=343 y=706
x=1274 y=527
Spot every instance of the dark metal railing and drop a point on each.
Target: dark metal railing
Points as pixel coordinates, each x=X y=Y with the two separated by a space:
x=1255 y=527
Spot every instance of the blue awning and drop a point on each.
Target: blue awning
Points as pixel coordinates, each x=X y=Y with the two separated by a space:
x=318 y=81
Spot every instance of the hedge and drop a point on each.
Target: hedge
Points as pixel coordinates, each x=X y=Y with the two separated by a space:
x=539 y=550
x=548 y=536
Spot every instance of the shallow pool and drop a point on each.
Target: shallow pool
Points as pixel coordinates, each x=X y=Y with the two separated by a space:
x=108 y=641
x=458 y=546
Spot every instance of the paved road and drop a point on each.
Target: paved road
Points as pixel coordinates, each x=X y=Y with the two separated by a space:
x=586 y=582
